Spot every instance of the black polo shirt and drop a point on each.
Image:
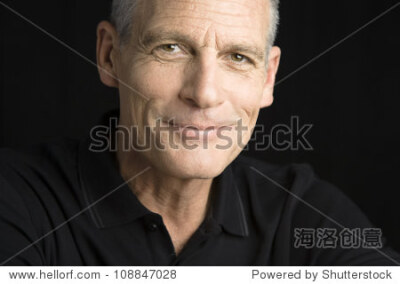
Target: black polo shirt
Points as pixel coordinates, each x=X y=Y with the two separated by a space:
x=61 y=204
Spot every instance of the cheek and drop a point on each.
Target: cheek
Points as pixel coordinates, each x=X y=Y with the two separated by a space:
x=156 y=80
x=147 y=85
x=245 y=96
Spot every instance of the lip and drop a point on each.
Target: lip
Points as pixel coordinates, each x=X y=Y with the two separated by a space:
x=198 y=127
x=197 y=131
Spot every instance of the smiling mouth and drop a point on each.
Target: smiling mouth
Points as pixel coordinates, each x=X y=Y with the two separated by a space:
x=198 y=127
x=198 y=131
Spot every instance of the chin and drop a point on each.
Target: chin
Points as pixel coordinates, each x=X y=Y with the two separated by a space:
x=202 y=164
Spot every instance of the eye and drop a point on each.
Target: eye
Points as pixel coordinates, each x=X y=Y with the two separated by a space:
x=238 y=58
x=171 y=52
x=170 y=48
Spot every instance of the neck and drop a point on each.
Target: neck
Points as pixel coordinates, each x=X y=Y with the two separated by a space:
x=182 y=203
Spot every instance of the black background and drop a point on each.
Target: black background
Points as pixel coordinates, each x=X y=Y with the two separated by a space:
x=351 y=94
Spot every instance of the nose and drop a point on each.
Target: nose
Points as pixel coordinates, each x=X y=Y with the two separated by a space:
x=202 y=84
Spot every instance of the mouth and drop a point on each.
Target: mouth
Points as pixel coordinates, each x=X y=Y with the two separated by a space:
x=198 y=127
x=198 y=131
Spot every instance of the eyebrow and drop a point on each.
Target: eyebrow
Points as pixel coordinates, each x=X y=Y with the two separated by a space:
x=152 y=37
x=157 y=36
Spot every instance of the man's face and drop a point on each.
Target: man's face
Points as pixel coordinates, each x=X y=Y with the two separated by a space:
x=201 y=64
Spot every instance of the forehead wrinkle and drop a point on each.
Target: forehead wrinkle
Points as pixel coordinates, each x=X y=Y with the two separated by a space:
x=220 y=12
x=210 y=37
x=191 y=18
x=200 y=8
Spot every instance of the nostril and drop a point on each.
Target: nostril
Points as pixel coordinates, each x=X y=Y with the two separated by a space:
x=191 y=102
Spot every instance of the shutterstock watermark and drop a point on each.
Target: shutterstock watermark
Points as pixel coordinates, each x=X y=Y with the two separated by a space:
x=165 y=135
x=283 y=137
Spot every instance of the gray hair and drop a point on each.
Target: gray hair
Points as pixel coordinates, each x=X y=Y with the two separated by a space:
x=122 y=13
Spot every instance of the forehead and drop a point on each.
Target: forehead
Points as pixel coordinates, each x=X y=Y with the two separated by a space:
x=210 y=22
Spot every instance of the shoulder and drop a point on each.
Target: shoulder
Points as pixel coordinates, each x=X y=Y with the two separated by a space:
x=294 y=176
x=32 y=180
x=293 y=188
x=39 y=171
x=38 y=157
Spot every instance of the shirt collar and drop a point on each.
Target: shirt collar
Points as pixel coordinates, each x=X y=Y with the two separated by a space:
x=111 y=202
x=227 y=208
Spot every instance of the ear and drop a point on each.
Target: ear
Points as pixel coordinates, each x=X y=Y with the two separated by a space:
x=107 y=49
x=272 y=68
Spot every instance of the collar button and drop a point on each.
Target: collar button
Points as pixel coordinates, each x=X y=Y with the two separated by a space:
x=152 y=227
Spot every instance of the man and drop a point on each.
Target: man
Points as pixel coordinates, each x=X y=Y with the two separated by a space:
x=194 y=73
